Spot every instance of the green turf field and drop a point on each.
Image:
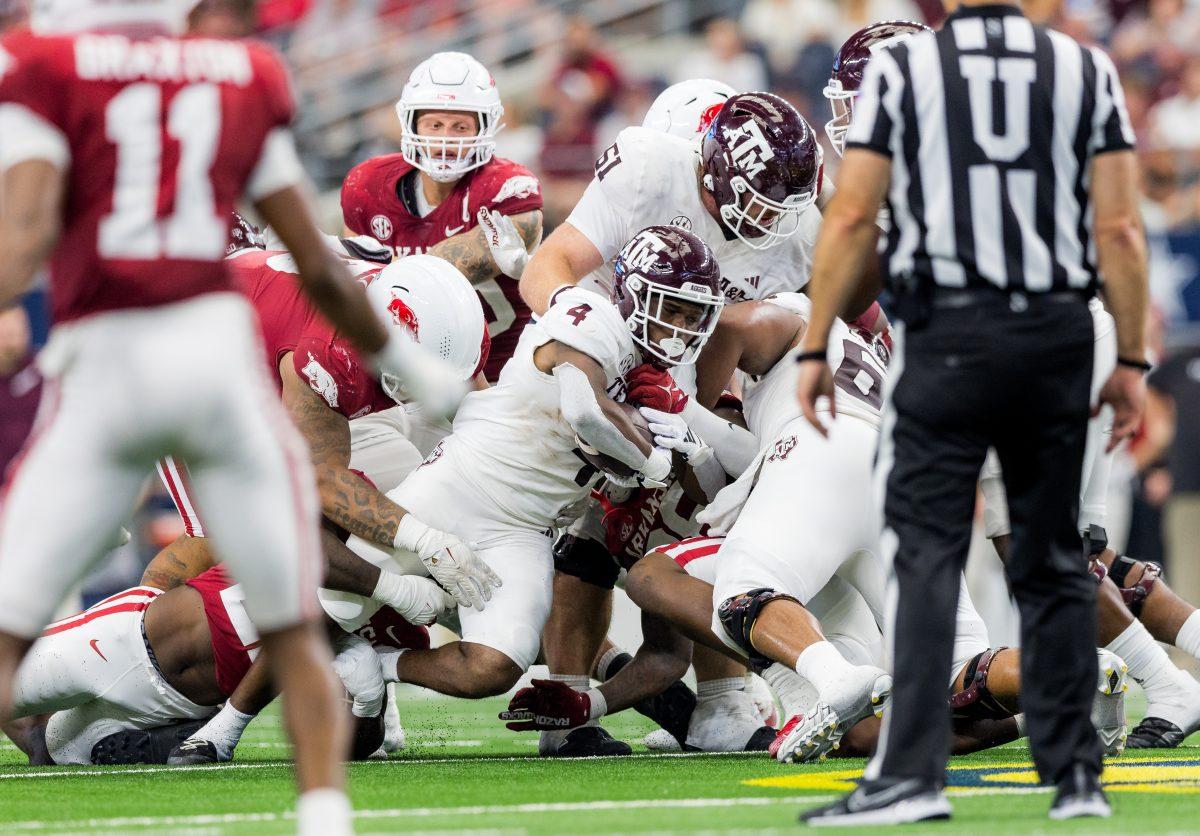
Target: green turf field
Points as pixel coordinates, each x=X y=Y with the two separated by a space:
x=463 y=772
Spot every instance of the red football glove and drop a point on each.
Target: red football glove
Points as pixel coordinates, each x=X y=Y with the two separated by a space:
x=548 y=705
x=654 y=387
x=623 y=521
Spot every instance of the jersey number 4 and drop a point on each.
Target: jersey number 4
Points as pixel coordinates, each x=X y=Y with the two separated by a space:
x=133 y=123
x=579 y=313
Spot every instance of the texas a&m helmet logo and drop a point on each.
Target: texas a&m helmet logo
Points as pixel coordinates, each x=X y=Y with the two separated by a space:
x=748 y=147
x=641 y=254
x=402 y=314
x=381 y=227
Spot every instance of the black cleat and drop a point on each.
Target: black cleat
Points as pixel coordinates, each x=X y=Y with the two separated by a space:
x=1079 y=795
x=1155 y=733
x=762 y=739
x=590 y=742
x=142 y=745
x=194 y=752
x=894 y=801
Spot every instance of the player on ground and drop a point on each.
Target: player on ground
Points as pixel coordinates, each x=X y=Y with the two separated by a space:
x=447 y=193
x=515 y=461
x=124 y=155
x=747 y=189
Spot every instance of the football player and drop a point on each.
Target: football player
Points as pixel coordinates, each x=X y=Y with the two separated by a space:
x=516 y=457
x=123 y=158
x=754 y=153
x=446 y=192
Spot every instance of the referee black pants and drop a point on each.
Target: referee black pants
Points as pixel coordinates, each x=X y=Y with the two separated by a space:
x=1014 y=374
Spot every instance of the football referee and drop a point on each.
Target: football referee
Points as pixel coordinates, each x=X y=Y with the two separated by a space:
x=1004 y=153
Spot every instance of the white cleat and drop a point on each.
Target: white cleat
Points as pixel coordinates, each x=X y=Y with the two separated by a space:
x=661 y=740
x=1108 y=709
x=394 y=738
x=810 y=738
x=723 y=722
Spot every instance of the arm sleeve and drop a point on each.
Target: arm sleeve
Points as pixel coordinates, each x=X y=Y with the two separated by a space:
x=1111 y=128
x=877 y=107
x=995 y=500
x=735 y=447
x=581 y=410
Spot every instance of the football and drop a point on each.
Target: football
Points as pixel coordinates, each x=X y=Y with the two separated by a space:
x=607 y=464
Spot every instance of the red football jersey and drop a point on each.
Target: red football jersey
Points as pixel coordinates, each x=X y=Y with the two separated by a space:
x=371 y=205
x=234 y=640
x=160 y=137
x=289 y=322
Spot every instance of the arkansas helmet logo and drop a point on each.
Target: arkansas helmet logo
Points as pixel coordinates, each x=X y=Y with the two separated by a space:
x=707 y=116
x=381 y=227
x=402 y=314
x=321 y=381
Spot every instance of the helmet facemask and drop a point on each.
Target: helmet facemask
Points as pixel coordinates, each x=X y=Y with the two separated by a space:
x=656 y=304
x=448 y=158
x=841 y=102
x=757 y=220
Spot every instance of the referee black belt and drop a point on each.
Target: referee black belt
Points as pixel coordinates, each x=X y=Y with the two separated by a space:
x=1015 y=299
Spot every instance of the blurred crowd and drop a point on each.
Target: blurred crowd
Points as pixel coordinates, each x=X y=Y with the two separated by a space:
x=574 y=72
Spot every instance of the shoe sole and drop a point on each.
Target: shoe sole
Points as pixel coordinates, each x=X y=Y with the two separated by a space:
x=1092 y=808
x=904 y=812
x=812 y=740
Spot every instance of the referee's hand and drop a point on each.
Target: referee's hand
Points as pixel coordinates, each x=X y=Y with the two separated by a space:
x=815 y=381
x=1125 y=392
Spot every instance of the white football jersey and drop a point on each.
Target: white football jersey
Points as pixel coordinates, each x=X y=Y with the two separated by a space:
x=511 y=440
x=859 y=367
x=646 y=178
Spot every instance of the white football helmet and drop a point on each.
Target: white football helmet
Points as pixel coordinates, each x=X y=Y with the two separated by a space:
x=426 y=299
x=452 y=81
x=686 y=108
x=61 y=17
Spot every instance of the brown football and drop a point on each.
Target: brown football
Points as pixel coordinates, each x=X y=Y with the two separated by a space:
x=607 y=464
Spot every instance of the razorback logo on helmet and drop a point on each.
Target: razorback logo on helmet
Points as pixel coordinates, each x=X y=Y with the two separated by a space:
x=381 y=227
x=708 y=115
x=402 y=314
x=520 y=186
x=749 y=148
x=321 y=381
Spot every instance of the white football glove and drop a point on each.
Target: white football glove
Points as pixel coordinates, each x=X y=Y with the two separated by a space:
x=654 y=473
x=357 y=665
x=569 y=513
x=673 y=433
x=506 y=244
x=449 y=561
x=406 y=365
x=419 y=600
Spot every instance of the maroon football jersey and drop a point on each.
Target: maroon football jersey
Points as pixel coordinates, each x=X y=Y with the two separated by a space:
x=289 y=322
x=371 y=205
x=164 y=134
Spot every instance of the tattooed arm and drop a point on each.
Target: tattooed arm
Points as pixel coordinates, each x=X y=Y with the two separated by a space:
x=178 y=563
x=469 y=251
x=346 y=499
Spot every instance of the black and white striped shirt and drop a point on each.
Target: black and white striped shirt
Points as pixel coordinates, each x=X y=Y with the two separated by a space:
x=991 y=124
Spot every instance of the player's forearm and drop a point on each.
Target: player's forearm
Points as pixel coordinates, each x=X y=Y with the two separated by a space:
x=662 y=659
x=346 y=571
x=734 y=447
x=30 y=224
x=468 y=251
x=600 y=428
x=549 y=269
x=349 y=501
x=1121 y=258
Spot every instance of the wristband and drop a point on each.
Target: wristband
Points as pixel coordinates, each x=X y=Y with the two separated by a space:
x=1140 y=365
x=821 y=354
x=598 y=705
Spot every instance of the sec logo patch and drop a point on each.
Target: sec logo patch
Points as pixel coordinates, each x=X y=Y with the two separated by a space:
x=682 y=221
x=381 y=227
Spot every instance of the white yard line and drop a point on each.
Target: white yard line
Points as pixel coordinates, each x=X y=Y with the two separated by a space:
x=217 y=819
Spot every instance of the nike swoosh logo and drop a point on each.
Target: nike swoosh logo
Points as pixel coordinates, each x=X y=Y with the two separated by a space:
x=861 y=799
x=92 y=644
x=455 y=230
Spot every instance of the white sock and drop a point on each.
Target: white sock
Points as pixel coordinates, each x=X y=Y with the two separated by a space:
x=578 y=681
x=388 y=660
x=1167 y=688
x=713 y=687
x=225 y=729
x=324 y=812
x=606 y=660
x=796 y=695
x=822 y=665
x=1188 y=639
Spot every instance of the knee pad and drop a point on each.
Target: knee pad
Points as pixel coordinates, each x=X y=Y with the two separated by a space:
x=1095 y=541
x=975 y=701
x=587 y=560
x=738 y=614
x=1135 y=595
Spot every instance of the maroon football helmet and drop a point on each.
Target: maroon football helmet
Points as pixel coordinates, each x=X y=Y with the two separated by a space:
x=848 y=69
x=665 y=274
x=763 y=165
x=243 y=235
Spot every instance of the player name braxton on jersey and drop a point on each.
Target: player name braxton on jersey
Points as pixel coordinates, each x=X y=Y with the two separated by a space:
x=511 y=440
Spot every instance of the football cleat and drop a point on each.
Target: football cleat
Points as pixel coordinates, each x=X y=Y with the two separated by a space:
x=589 y=742
x=661 y=740
x=193 y=752
x=725 y=722
x=1079 y=795
x=142 y=745
x=761 y=740
x=1108 y=709
x=811 y=737
x=1155 y=733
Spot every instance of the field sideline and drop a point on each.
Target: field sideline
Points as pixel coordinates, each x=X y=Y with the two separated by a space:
x=463 y=772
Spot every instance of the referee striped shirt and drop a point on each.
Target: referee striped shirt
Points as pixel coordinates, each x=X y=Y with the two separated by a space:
x=991 y=124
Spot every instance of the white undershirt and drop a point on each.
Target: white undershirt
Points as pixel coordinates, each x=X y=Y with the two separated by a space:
x=424 y=207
